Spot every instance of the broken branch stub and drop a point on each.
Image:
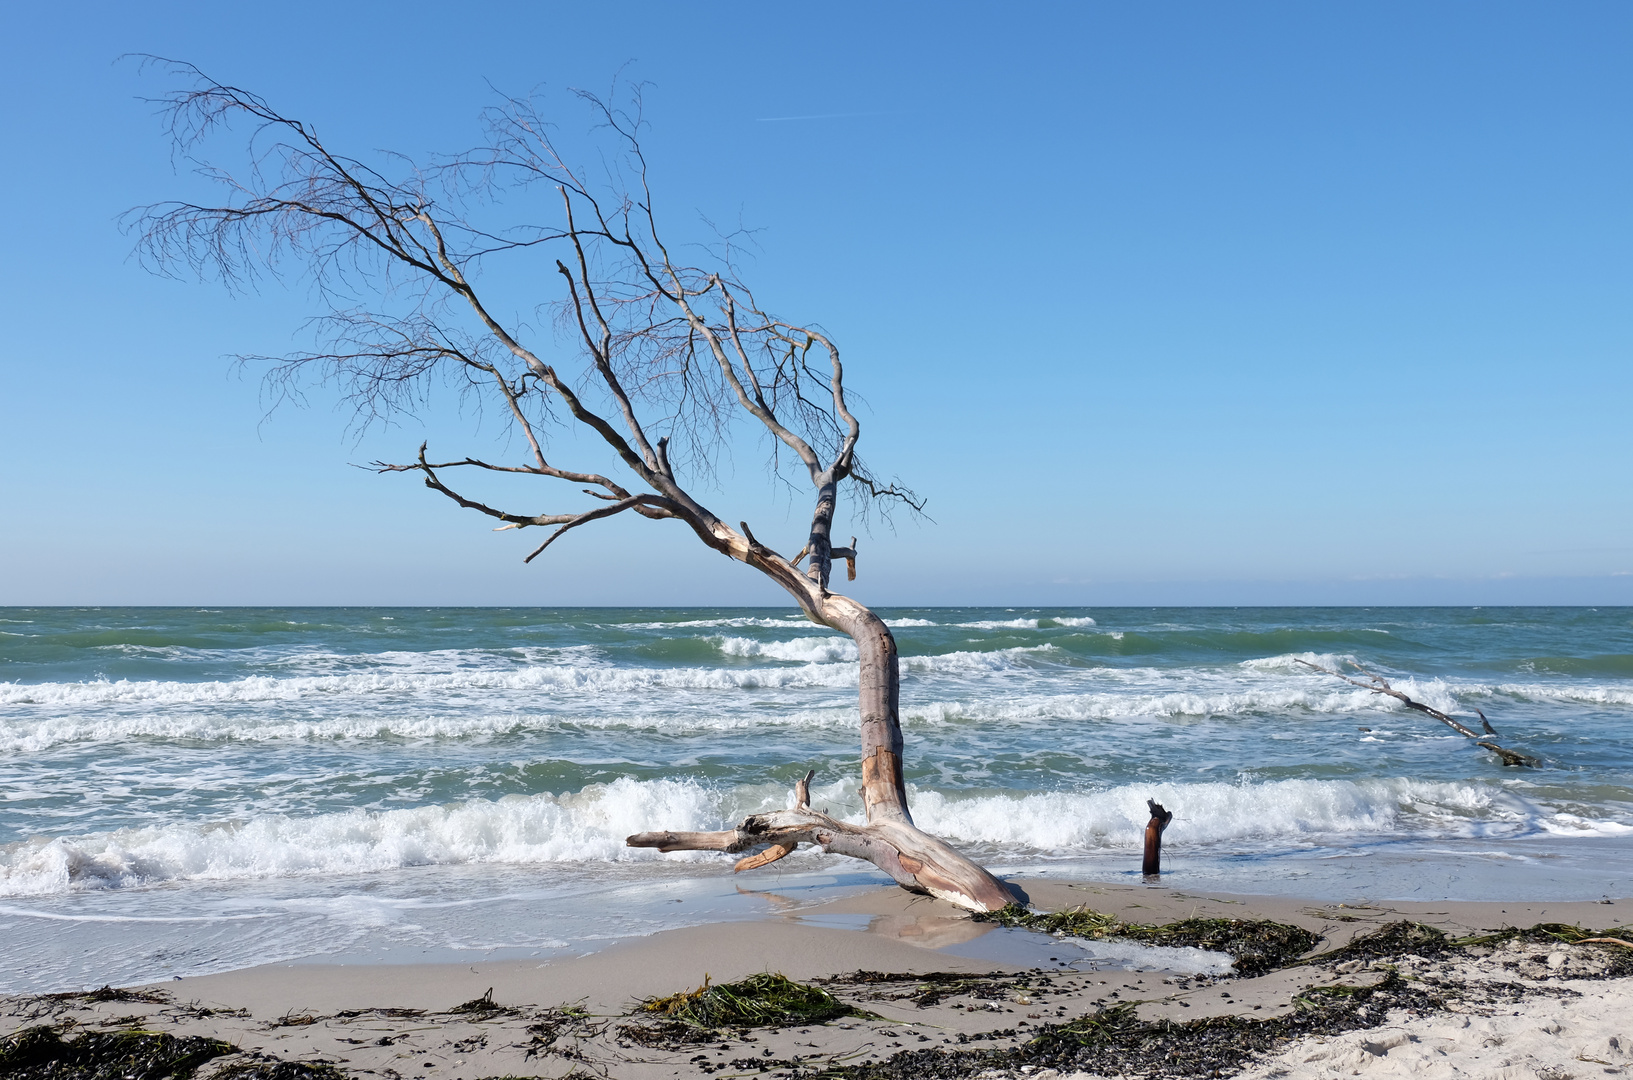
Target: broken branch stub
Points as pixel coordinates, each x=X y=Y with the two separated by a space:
x=1153 y=837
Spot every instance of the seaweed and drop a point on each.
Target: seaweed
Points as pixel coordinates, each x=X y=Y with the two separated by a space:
x=1389 y=940
x=1617 y=956
x=554 y=1025
x=485 y=1006
x=764 y=1000
x=1115 y=1041
x=265 y=1068
x=40 y=1053
x=1254 y=945
x=108 y=993
x=1543 y=933
x=933 y=987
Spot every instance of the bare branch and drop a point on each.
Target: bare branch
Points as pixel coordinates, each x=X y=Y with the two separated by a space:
x=1378 y=685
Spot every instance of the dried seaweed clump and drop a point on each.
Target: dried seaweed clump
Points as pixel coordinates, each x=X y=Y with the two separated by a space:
x=40 y=1053
x=274 y=1069
x=1255 y=945
x=485 y=1006
x=925 y=989
x=1549 y=932
x=1116 y=1041
x=1389 y=940
x=764 y=1000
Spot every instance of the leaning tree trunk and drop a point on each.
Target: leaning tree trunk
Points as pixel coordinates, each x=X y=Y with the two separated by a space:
x=889 y=840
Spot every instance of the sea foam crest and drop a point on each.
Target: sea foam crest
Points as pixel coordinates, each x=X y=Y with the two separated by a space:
x=1063 y=823
x=809 y=650
x=585 y=826
x=565 y=678
x=782 y=622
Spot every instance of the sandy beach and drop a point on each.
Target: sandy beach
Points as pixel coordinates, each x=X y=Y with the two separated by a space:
x=935 y=994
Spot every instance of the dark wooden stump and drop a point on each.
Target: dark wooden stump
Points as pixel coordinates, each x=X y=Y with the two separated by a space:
x=1153 y=837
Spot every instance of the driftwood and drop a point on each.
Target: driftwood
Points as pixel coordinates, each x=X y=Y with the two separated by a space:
x=915 y=860
x=669 y=356
x=1378 y=685
x=1153 y=837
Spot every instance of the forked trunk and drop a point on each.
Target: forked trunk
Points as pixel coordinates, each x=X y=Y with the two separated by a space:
x=889 y=840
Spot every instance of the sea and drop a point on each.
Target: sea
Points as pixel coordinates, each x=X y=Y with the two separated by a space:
x=190 y=790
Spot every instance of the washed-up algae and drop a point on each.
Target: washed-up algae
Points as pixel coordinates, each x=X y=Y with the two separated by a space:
x=931 y=988
x=274 y=1069
x=764 y=1000
x=1390 y=940
x=1404 y=938
x=40 y=1053
x=1116 y=1041
x=1254 y=945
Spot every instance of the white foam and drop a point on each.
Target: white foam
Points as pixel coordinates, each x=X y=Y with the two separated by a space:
x=585 y=826
x=810 y=650
x=1443 y=695
x=560 y=678
x=910 y=622
x=1293 y=663
x=783 y=622
x=1000 y=624
x=1586 y=695
x=1071 y=621
x=1064 y=823
x=967 y=663
x=590 y=826
x=1132 y=956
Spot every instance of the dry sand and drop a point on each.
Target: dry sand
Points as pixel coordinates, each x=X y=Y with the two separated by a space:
x=1523 y=1010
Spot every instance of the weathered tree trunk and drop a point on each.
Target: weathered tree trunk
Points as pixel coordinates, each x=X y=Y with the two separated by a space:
x=889 y=839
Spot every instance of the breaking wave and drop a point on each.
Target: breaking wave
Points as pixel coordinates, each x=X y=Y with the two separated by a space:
x=809 y=650
x=590 y=826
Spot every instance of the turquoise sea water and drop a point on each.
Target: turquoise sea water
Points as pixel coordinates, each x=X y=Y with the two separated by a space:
x=185 y=790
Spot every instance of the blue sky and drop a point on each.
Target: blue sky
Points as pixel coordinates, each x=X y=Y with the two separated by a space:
x=1181 y=303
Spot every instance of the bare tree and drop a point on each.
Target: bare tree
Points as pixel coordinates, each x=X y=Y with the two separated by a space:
x=668 y=355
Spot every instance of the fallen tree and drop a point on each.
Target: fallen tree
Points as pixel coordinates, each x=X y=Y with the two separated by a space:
x=669 y=355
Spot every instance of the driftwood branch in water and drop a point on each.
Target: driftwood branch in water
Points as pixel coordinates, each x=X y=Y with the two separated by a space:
x=1379 y=685
x=1153 y=837
x=1510 y=757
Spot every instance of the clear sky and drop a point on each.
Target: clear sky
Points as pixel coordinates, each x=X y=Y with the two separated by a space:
x=1158 y=303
